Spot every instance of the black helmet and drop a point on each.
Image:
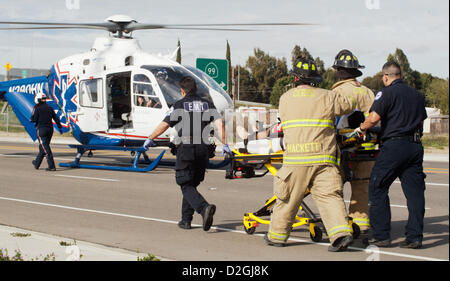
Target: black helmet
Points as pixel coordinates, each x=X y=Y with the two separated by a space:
x=346 y=59
x=306 y=71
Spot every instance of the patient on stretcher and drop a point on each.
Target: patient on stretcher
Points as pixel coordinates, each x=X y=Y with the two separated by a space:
x=268 y=141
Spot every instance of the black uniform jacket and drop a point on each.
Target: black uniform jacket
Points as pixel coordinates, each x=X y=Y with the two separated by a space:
x=42 y=116
x=402 y=110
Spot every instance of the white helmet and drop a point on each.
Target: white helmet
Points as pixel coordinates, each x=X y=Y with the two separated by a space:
x=39 y=97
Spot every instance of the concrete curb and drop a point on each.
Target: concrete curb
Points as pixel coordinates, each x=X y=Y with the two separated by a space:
x=36 y=246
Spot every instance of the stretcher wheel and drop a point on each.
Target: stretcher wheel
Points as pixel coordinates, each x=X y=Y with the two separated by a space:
x=250 y=230
x=248 y=172
x=318 y=234
x=90 y=154
x=356 y=230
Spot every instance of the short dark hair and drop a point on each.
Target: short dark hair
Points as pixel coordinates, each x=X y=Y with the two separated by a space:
x=394 y=67
x=187 y=83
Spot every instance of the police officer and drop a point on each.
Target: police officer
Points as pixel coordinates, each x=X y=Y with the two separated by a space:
x=191 y=117
x=347 y=67
x=42 y=116
x=401 y=110
x=310 y=158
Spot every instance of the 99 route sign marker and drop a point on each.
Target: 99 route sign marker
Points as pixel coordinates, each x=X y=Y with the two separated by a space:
x=217 y=69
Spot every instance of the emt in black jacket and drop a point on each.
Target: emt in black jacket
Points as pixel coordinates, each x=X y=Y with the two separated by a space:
x=42 y=116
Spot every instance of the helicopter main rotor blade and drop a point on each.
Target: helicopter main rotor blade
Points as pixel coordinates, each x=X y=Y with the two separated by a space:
x=51 y=27
x=133 y=27
x=112 y=27
x=140 y=26
x=130 y=25
x=244 y=24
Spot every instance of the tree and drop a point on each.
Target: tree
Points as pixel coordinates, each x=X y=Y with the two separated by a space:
x=280 y=87
x=329 y=78
x=410 y=76
x=299 y=52
x=228 y=57
x=400 y=57
x=247 y=85
x=437 y=94
x=375 y=83
x=265 y=70
x=179 y=52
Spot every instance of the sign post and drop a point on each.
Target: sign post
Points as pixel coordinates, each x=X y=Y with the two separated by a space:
x=8 y=67
x=217 y=69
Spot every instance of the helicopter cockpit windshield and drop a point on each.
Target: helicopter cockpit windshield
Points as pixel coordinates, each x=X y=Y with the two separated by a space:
x=168 y=78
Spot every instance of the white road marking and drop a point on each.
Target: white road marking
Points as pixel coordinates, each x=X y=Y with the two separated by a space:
x=17 y=156
x=392 y=205
x=86 y=178
x=428 y=183
x=216 y=228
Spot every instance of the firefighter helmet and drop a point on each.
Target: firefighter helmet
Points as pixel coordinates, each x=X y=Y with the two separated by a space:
x=346 y=59
x=306 y=71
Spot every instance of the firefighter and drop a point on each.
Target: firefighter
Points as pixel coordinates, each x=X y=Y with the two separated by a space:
x=347 y=67
x=310 y=158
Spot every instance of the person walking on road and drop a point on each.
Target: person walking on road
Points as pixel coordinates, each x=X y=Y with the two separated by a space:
x=401 y=110
x=310 y=159
x=42 y=116
x=191 y=117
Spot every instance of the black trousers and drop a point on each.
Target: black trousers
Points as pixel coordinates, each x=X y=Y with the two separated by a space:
x=190 y=167
x=45 y=136
x=402 y=159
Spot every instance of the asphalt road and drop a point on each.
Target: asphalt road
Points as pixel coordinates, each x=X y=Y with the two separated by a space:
x=139 y=211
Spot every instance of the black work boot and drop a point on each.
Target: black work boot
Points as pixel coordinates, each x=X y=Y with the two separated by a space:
x=340 y=244
x=382 y=243
x=184 y=225
x=207 y=215
x=34 y=164
x=51 y=169
x=411 y=245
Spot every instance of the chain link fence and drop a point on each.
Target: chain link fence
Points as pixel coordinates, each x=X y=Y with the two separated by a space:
x=8 y=120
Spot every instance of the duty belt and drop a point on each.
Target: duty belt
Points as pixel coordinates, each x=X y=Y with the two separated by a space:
x=410 y=138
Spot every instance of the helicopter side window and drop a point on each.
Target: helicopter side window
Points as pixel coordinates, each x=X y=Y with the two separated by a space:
x=141 y=78
x=91 y=93
x=143 y=92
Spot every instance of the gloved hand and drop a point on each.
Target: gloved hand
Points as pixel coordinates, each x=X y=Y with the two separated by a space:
x=60 y=130
x=358 y=134
x=149 y=143
x=226 y=150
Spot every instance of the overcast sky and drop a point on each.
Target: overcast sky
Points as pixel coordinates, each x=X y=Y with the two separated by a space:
x=370 y=28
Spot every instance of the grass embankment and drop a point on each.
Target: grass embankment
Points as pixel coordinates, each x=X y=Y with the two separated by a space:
x=435 y=141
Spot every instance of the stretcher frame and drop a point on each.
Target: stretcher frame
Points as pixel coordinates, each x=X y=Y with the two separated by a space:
x=252 y=220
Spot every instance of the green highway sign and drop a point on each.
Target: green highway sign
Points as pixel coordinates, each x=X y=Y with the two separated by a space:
x=217 y=69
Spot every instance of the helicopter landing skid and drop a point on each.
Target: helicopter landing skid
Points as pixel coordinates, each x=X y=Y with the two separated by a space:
x=81 y=149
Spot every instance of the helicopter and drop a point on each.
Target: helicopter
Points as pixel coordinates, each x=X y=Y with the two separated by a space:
x=115 y=94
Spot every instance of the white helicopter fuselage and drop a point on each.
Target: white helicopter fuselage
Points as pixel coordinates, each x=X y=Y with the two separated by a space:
x=119 y=93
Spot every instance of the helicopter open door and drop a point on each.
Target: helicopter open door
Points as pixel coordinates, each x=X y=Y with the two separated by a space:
x=92 y=115
x=148 y=104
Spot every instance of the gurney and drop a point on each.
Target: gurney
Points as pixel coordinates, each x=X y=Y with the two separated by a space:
x=243 y=165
